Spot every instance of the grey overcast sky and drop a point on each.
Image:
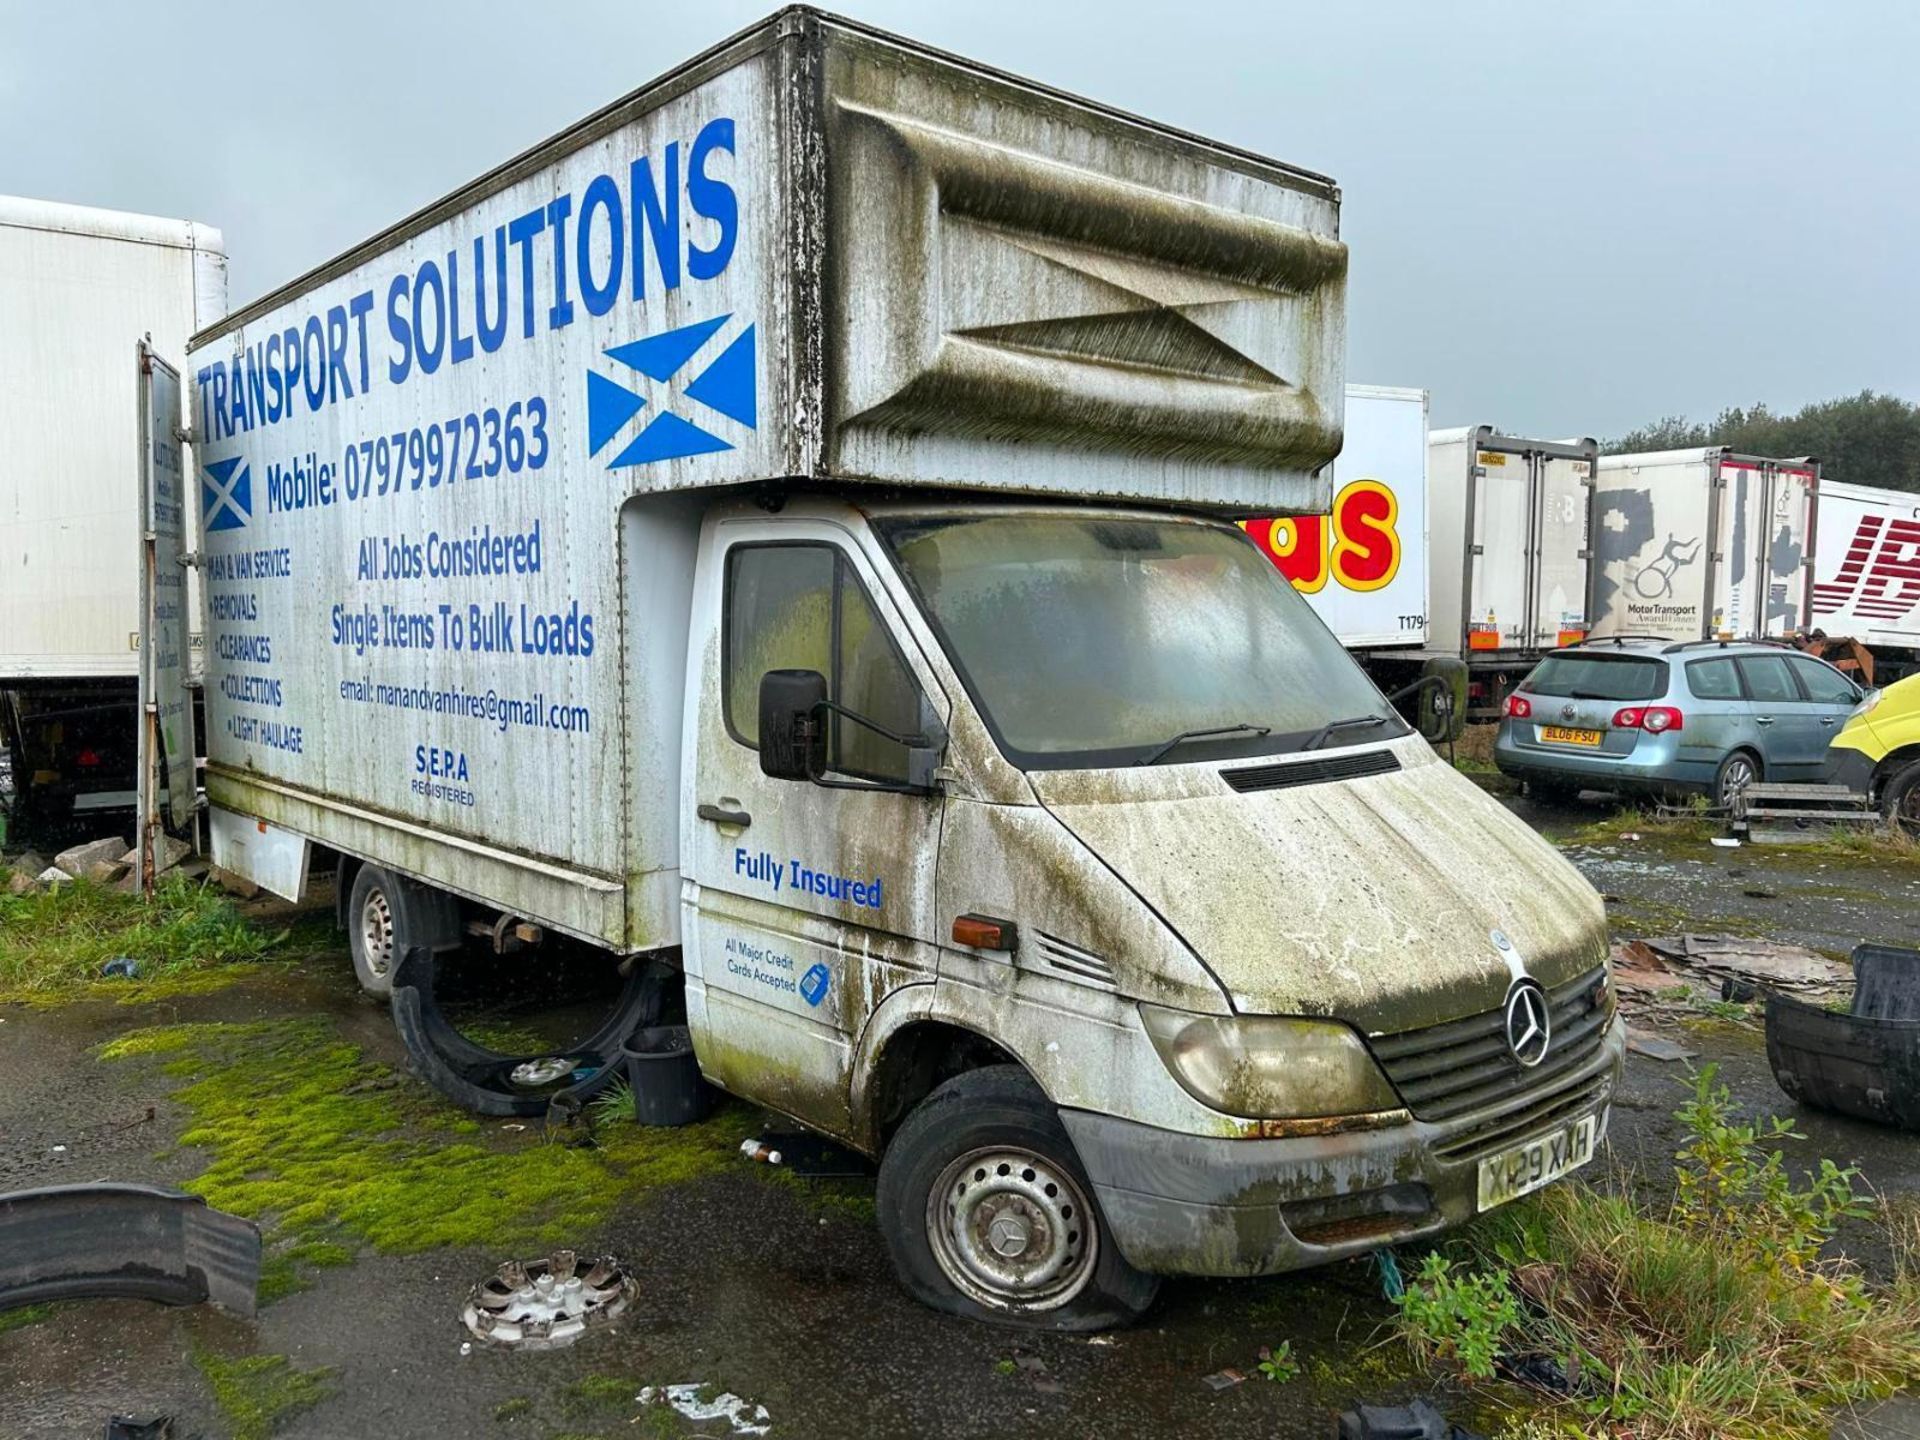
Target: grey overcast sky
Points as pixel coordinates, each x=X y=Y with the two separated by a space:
x=1564 y=218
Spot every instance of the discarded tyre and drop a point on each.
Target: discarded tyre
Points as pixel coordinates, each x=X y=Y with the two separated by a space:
x=665 y=1076
x=1865 y=1063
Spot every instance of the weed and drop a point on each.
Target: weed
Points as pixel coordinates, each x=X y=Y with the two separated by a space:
x=53 y=942
x=615 y=1104
x=1719 y=1318
x=1277 y=1363
x=305 y=1133
x=1731 y=1187
x=1459 y=1317
x=511 y=1408
x=1005 y=1367
x=257 y=1392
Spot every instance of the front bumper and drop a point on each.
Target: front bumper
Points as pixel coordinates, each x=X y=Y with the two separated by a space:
x=1208 y=1205
x=1849 y=767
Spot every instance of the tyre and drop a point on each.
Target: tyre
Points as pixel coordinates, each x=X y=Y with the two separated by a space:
x=988 y=1214
x=386 y=912
x=1739 y=770
x=1900 y=798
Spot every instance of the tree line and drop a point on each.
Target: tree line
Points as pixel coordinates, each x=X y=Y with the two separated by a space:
x=1864 y=439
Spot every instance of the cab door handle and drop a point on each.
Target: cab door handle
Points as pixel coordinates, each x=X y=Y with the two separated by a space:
x=1826 y=720
x=719 y=815
x=1763 y=719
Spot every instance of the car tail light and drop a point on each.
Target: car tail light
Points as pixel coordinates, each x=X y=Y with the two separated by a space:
x=87 y=759
x=1657 y=718
x=1519 y=707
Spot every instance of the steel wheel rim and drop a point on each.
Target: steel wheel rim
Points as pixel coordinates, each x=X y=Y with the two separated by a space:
x=1010 y=1228
x=376 y=932
x=1907 y=812
x=1739 y=775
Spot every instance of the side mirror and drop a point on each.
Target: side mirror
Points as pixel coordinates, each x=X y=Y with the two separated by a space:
x=793 y=739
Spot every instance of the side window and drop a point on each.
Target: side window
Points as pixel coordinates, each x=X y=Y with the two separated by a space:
x=1769 y=681
x=1713 y=679
x=801 y=607
x=1823 y=684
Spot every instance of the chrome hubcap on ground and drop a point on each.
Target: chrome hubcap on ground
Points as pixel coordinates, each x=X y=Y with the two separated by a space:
x=1010 y=1227
x=376 y=932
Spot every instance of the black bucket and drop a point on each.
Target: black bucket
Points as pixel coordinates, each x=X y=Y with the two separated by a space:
x=667 y=1088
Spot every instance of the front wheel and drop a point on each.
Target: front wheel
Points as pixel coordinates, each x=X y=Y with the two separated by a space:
x=987 y=1213
x=1900 y=798
x=386 y=913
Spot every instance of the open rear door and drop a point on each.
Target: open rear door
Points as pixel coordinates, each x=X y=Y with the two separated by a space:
x=166 y=706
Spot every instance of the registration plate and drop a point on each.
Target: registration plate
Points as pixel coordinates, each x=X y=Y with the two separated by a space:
x=1541 y=1161
x=1559 y=734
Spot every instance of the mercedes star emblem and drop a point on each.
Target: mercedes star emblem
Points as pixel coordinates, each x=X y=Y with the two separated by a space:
x=1528 y=1026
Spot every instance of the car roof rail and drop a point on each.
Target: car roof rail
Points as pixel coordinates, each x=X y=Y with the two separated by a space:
x=1717 y=643
x=1617 y=641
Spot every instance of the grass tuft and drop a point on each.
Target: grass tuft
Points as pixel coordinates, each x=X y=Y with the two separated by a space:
x=1720 y=1318
x=189 y=936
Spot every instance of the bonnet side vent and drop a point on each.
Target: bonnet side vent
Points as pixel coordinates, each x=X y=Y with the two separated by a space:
x=1311 y=772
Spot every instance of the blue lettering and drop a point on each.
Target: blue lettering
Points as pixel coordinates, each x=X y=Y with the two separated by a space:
x=521 y=231
x=313 y=361
x=662 y=221
x=560 y=313
x=429 y=355
x=358 y=307
x=401 y=366
x=602 y=195
x=462 y=344
x=713 y=200
x=493 y=331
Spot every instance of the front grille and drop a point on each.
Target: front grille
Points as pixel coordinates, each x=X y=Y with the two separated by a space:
x=1311 y=772
x=1464 y=1067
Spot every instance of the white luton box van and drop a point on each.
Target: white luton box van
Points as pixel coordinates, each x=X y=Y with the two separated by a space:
x=1702 y=544
x=79 y=288
x=782 y=528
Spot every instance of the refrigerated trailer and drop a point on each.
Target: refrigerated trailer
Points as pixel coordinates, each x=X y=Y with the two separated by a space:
x=1362 y=563
x=79 y=289
x=780 y=532
x=1701 y=544
x=1866 y=574
x=1510 y=526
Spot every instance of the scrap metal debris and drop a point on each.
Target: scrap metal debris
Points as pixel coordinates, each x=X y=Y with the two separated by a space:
x=547 y=1303
x=1222 y=1379
x=1418 y=1421
x=1644 y=968
x=745 y=1417
x=1655 y=1047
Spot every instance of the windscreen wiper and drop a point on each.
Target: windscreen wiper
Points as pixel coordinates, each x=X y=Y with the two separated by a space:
x=1186 y=735
x=1332 y=727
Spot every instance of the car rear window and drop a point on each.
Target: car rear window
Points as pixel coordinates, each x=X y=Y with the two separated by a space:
x=1599 y=677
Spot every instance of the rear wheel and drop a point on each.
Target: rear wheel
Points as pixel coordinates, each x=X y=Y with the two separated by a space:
x=386 y=913
x=987 y=1212
x=1736 y=773
x=1900 y=798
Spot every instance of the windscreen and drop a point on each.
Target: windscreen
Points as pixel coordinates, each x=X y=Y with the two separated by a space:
x=1599 y=677
x=1091 y=641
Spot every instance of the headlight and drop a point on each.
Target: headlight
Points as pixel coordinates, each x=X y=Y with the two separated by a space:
x=1265 y=1068
x=1867 y=702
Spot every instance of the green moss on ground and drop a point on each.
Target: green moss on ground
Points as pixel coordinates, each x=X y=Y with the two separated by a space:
x=511 y=1409
x=306 y=1134
x=189 y=939
x=257 y=1392
x=23 y=1317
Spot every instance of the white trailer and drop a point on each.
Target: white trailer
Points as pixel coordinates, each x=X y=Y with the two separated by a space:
x=781 y=530
x=79 y=289
x=1509 y=533
x=1866 y=573
x=1362 y=562
x=1700 y=544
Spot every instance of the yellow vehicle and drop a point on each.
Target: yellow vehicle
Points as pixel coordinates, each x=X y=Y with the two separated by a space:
x=1878 y=751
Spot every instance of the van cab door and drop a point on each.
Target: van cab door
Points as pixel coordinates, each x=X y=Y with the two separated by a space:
x=803 y=905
